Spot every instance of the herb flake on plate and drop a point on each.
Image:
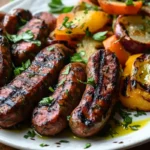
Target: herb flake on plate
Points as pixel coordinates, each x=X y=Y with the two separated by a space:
x=87 y=145
x=30 y=134
x=43 y=145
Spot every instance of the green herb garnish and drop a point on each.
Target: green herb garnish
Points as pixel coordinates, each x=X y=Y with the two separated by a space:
x=100 y=36
x=61 y=82
x=87 y=145
x=129 y=2
x=89 y=81
x=66 y=71
x=24 y=66
x=68 y=118
x=46 y=101
x=63 y=141
x=66 y=23
x=87 y=32
x=77 y=57
x=30 y=134
x=140 y=113
x=135 y=127
x=56 y=6
x=51 y=89
x=26 y=36
x=43 y=145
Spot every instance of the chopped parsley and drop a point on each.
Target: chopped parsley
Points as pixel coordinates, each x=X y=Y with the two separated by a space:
x=100 y=36
x=51 y=89
x=61 y=82
x=43 y=145
x=56 y=6
x=30 y=134
x=87 y=145
x=89 y=81
x=140 y=113
x=87 y=32
x=129 y=2
x=135 y=127
x=24 y=66
x=27 y=36
x=77 y=57
x=46 y=101
x=127 y=119
x=66 y=23
x=68 y=118
x=66 y=71
x=63 y=141
x=50 y=48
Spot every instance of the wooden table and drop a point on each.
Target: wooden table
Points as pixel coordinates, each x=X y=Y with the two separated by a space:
x=4 y=147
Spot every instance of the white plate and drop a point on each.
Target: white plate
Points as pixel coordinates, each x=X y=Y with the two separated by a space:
x=17 y=140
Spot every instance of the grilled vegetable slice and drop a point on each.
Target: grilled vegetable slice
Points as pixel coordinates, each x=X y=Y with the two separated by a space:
x=135 y=83
x=78 y=23
x=88 y=46
x=134 y=33
x=120 y=8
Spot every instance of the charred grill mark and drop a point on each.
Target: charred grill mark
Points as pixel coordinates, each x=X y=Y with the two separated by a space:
x=5 y=58
x=125 y=86
x=50 y=119
x=23 y=93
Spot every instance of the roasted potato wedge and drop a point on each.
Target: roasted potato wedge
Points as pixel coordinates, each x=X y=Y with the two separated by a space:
x=89 y=46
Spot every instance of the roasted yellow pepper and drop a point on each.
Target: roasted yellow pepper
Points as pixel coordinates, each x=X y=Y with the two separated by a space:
x=81 y=21
x=135 y=83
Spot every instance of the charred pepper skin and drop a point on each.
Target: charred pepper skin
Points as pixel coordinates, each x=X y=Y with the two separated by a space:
x=51 y=119
x=97 y=102
x=20 y=96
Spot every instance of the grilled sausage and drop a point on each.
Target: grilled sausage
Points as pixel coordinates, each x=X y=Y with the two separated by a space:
x=23 y=50
x=49 y=19
x=5 y=59
x=16 y=19
x=18 y=98
x=50 y=119
x=2 y=15
x=98 y=99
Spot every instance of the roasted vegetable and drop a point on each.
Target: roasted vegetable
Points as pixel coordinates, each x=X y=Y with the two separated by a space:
x=88 y=46
x=134 y=33
x=135 y=83
x=120 y=8
x=80 y=22
x=113 y=44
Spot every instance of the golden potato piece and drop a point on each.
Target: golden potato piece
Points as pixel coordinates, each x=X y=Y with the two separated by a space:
x=89 y=46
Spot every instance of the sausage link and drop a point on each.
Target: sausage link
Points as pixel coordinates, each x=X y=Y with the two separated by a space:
x=49 y=19
x=2 y=15
x=97 y=102
x=18 y=98
x=16 y=19
x=5 y=59
x=51 y=119
x=23 y=50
